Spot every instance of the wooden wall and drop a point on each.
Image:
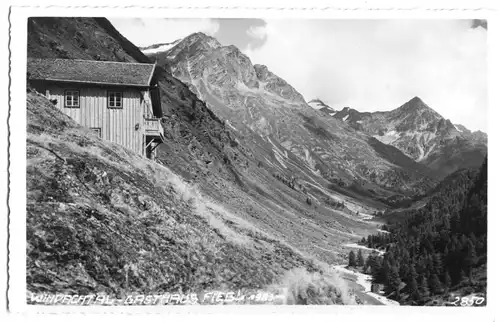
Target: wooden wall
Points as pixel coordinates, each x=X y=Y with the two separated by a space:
x=117 y=125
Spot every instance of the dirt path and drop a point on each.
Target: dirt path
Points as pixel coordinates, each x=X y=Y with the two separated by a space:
x=354 y=245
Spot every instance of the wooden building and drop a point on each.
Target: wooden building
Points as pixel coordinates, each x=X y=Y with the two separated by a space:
x=119 y=101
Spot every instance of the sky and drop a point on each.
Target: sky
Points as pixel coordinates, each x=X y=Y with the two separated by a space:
x=368 y=65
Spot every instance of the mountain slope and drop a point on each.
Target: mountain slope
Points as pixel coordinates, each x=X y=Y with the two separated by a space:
x=422 y=134
x=237 y=190
x=103 y=219
x=454 y=181
x=266 y=111
x=69 y=38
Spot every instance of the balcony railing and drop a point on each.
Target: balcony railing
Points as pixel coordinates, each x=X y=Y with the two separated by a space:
x=152 y=125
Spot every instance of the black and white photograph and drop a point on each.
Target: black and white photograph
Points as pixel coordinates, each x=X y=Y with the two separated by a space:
x=279 y=161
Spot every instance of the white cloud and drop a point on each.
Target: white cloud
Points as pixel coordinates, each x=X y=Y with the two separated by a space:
x=144 y=32
x=257 y=32
x=380 y=64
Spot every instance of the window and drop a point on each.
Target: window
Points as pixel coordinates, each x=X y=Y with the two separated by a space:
x=115 y=99
x=97 y=130
x=72 y=98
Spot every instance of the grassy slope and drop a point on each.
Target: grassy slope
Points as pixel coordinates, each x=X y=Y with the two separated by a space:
x=242 y=196
x=102 y=219
x=201 y=149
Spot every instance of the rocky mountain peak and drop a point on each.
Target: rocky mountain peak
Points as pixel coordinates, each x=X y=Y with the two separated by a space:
x=416 y=100
x=192 y=44
x=203 y=38
x=417 y=105
x=415 y=115
x=421 y=133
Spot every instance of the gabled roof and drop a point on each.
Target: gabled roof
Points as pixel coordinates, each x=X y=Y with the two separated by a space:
x=91 y=72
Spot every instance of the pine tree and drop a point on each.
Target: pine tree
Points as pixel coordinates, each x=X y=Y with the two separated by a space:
x=369 y=260
x=461 y=276
x=352 y=259
x=393 y=281
x=447 y=281
x=360 y=260
x=446 y=222
x=413 y=272
x=470 y=259
x=412 y=284
x=424 y=288
x=435 y=285
x=414 y=292
x=386 y=269
x=437 y=263
x=377 y=272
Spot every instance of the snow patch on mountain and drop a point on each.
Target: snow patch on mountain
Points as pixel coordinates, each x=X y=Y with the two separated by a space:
x=429 y=151
x=287 y=145
x=456 y=128
x=315 y=105
x=345 y=118
x=161 y=48
x=260 y=90
x=309 y=160
x=278 y=157
x=388 y=137
x=278 y=154
x=421 y=153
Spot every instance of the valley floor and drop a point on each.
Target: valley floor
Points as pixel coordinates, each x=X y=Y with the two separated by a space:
x=361 y=285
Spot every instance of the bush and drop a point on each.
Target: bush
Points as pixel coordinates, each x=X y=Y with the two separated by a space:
x=303 y=287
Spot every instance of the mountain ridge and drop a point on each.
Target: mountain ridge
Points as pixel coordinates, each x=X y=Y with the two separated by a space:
x=422 y=134
x=253 y=99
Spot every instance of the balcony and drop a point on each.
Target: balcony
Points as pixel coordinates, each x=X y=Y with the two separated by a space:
x=152 y=126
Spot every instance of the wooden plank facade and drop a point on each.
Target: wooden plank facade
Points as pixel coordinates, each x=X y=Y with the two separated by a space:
x=122 y=114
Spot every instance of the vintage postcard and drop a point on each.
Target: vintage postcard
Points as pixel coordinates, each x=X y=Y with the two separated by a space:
x=183 y=159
